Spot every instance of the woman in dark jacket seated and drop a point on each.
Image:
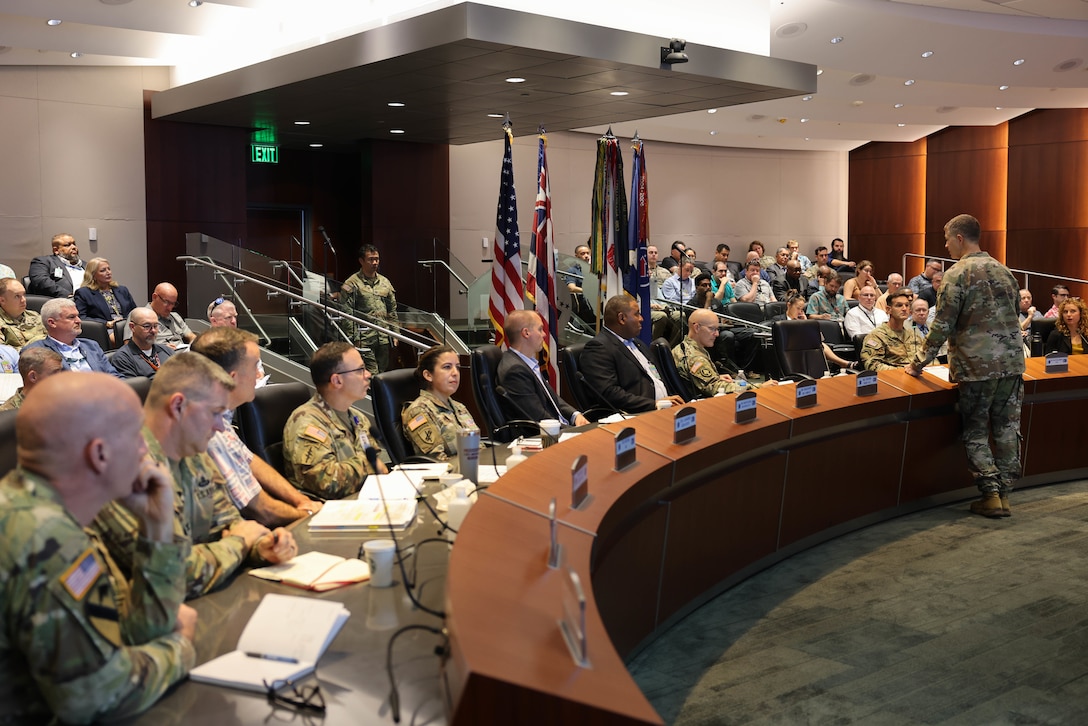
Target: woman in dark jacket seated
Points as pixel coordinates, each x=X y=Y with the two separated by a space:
x=1070 y=329
x=101 y=299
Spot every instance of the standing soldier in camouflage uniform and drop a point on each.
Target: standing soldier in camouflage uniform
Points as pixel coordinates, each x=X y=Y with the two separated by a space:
x=77 y=642
x=185 y=406
x=977 y=307
x=371 y=296
x=325 y=439
x=433 y=420
x=892 y=346
x=693 y=361
x=18 y=326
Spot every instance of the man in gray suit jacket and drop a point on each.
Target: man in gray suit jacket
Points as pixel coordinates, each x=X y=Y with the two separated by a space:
x=617 y=365
x=63 y=326
x=58 y=274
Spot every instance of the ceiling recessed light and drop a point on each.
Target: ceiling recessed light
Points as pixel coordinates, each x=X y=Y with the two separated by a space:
x=1068 y=65
x=900 y=125
x=927 y=54
x=855 y=104
x=998 y=108
x=804 y=120
x=713 y=133
x=1018 y=62
x=618 y=93
x=819 y=71
x=806 y=98
x=395 y=104
x=302 y=123
x=195 y=3
x=712 y=110
x=836 y=40
x=316 y=146
x=494 y=115
x=908 y=82
x=396 y=131
x=515 y=79
x=76 y=54
x=899 y=105
x=1002 y=88
x=53 y=22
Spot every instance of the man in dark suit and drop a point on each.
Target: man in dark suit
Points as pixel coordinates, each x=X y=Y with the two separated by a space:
x=616 y=364
x=528 y=396
x=58 y=274
x=63 y=326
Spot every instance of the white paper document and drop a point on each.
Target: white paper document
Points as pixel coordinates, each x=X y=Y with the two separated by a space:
x=359 y=515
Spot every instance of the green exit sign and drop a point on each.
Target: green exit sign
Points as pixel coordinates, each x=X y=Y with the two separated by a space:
x=264 y=154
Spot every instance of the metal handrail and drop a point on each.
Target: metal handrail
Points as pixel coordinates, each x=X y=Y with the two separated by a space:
x=277 y=264
x=1016 y=271
x=445 y=264
x=239 y=303
x=691 y=308
x=191 y=261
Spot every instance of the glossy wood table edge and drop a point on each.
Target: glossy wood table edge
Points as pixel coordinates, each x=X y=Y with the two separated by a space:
x=838 y=405
x=503 y=608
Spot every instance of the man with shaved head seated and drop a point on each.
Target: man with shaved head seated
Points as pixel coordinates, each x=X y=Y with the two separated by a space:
x=78 y=642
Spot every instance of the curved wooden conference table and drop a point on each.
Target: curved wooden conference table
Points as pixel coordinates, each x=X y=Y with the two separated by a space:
x=688 y=521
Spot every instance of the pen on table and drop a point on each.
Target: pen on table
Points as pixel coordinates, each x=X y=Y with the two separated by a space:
x=270 y=656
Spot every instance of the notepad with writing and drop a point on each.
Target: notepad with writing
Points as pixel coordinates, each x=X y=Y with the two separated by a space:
x=281 y=642
x=361 y=515
x=316 y=571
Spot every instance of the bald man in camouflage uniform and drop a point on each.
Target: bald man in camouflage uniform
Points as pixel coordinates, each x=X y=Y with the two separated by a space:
x=693 y=361
x=892 y=345
x=370 y=296
x=325 y=439
x=977 y=313
x=77 y=641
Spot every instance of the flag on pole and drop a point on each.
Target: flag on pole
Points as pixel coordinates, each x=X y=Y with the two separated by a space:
x=507 y=291
x=608 y=230
x=540 y=287
x=637 y=282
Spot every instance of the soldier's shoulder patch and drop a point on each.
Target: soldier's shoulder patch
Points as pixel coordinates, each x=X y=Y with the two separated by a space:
x=83 y=573
x=698 y=365
x=316 y=433
x=872 y=342
x=416 y=422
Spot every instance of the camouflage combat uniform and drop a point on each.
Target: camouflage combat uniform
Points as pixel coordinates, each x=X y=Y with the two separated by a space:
x=18 y=332
x=202 y=511
x=324 y=450
x=75 y=640
x=432 y=426
x=977 y=307
x=372 y=299
x=13 y=403
x=886 y=350
x=694 y=365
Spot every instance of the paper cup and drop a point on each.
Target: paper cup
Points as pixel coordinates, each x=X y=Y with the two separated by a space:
x=550 y=426
x=379 y=558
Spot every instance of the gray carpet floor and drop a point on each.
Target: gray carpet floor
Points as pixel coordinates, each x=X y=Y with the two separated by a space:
x=939 y=617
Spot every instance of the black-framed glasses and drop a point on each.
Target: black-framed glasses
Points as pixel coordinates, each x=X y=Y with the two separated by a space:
x=306 y=697
x=351 y=370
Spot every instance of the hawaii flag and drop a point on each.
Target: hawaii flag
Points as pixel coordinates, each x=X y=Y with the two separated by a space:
x=540 y=287
x=507 y=292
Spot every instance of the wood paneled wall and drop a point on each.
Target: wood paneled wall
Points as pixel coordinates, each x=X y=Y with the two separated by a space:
x=1026 y=181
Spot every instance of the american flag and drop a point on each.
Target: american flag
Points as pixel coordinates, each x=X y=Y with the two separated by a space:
x=637 y=280
x=540 y=287
x=608 y=233
x=507 y=291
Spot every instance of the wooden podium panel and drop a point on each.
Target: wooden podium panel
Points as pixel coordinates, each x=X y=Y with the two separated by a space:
x=837 y=407
x=1053 y=416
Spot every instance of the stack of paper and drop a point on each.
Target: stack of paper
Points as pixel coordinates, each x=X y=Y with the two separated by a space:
x=351 y=515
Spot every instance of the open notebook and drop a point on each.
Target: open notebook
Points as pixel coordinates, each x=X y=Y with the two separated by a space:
x=315 y=571
x=281 y=642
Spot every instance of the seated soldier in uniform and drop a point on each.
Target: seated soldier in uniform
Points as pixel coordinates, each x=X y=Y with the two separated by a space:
x=693 y=361
x=432 y=421
x=892 y=345
x=325 y=440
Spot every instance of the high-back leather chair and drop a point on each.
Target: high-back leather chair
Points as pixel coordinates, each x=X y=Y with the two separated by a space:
x=96 y=331
x=389 y=391
x=485 y=367
x=1041 y=328
x=749 y=311
x=568 y=359
x=8 y=458
x=774 y=308
x=35 y=302
x=140 y=384
x=666 y=366
x=799 y=348
x=260 y=422
x=835 y=337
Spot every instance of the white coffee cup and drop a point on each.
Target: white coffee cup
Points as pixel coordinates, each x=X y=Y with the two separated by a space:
x=379 y=558
x=664 y=403
x=550 y=426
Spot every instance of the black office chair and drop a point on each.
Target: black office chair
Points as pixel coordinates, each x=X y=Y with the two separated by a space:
x=260 y=422
x=751 y=312
x=8 y=457
x=835 y=338
x=670 y=374
x=35 y=302
x=799 y=349
x=389 y=391
x=852 y=303
x=485 y=367
x=572 y=374
x=96 y=331
x=141 y=385
x=859 y=343
x=772 y=309
x=1041 y=328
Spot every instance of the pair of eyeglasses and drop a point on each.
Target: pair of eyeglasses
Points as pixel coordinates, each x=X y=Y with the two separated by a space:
x=149 y=326
x=305 y=697
x=352 y=370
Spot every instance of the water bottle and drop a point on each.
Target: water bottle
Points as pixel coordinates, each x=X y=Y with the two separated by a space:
x=742 y=382
x=468 y=454
x=515 y=458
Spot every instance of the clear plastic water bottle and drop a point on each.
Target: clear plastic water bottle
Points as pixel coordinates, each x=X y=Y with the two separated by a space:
x=742 y=382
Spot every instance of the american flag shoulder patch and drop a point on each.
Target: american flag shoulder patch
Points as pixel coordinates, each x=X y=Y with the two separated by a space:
x=83 y=573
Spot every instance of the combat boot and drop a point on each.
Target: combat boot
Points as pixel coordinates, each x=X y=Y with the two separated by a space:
x=1005 y=508
x=988 y=506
